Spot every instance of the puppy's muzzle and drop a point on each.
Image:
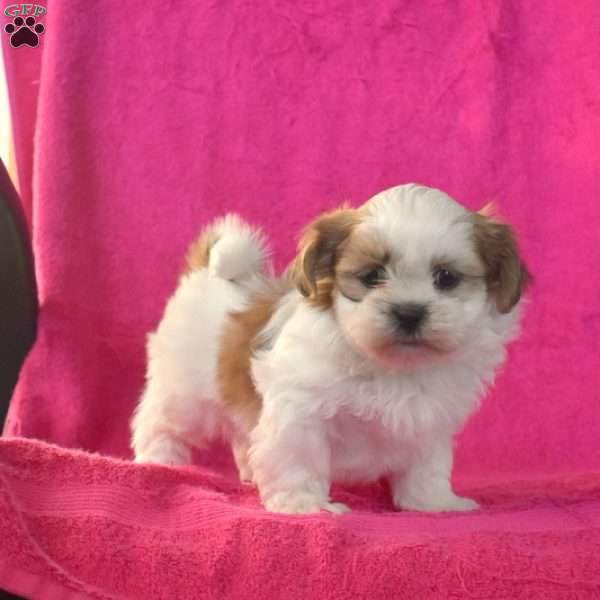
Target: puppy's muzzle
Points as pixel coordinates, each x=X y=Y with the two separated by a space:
x=408 y=318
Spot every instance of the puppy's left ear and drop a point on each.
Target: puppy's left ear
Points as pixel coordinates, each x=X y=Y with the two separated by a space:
x=314 y=267
x=507 y=276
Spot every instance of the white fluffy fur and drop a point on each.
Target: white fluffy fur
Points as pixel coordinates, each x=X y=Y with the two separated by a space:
x=239 y=252
x=339 y=403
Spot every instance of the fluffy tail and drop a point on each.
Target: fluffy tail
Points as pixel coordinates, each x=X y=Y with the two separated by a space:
x=230 y=249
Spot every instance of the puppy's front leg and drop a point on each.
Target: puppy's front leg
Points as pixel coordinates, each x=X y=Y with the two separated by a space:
x=426 y=486
x=290 y=457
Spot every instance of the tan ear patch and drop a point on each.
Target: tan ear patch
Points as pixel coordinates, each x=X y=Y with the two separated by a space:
x=507 y=276
x=314 y=267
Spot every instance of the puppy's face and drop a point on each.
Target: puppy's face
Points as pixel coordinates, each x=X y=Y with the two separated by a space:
x=410 y=274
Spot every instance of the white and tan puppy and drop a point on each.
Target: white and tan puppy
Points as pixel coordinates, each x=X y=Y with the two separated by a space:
x=362 y=362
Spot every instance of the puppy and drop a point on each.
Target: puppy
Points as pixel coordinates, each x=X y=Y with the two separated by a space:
x=363 y=361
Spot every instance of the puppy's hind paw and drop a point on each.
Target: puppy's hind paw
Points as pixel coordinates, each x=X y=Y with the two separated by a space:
x=166 y=451
x=336 y=508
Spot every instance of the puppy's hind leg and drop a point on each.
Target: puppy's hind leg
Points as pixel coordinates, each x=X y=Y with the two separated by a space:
x=166 y=426
x=155 y=438
x=239 y=448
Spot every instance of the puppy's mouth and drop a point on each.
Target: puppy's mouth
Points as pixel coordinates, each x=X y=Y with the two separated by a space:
x=411 y=345
x=415 y=344
x=413 y=341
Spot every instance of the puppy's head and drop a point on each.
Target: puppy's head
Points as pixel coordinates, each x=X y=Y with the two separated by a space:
x=411 y=274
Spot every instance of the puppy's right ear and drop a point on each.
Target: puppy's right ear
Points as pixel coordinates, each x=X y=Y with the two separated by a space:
x=314 y=267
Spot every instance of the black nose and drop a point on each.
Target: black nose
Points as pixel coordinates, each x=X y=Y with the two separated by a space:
x=408 y=317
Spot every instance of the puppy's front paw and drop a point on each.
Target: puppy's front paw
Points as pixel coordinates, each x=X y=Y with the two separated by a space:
x=445 y=503
x=460 y=504
x=299 y=503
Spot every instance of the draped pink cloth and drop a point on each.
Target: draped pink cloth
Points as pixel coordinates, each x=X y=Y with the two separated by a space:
x=154 y=118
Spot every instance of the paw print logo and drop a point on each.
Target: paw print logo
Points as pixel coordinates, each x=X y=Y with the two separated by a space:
x=24 y=32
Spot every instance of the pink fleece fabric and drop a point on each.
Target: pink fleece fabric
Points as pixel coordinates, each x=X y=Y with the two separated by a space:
x=98 y=527
x=156 y=117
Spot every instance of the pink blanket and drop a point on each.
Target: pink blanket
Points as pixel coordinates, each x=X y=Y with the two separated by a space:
x=84 y=526
x=154 y=117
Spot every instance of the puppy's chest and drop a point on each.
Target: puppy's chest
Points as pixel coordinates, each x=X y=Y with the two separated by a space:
x=380 y=423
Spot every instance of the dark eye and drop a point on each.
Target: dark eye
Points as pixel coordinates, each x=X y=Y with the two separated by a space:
x=373 y=277
x=444 y=279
